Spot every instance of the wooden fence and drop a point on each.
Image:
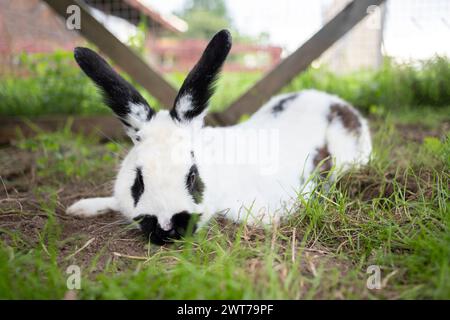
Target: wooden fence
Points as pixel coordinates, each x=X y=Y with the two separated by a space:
x=251 y=100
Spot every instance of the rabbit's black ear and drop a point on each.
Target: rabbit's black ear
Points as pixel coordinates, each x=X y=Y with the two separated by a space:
x=126 y=102
x=197 y=89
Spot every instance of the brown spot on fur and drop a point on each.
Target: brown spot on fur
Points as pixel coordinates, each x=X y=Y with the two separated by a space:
x=323 y=158
x=349 y=118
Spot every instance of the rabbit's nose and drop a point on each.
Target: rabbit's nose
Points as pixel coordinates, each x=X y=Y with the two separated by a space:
x=166 y=225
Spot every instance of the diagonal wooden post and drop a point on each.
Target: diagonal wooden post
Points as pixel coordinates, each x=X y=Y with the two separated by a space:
x=122 y=55
x=298 y=61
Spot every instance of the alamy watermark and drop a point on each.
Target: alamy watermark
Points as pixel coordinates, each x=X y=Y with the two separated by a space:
x=374 y=279
x=73 y=21
x=373 y=21
x=256 y=147
x=74 y=279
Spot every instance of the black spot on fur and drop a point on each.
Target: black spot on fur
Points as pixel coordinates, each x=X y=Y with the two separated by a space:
x=137 y=189
x=183 y=223
x=147 y=223
x=152 y=230
x=199 y=84
x=117 y=92
x=194 y=184
x=281 y=105
x=349 y=117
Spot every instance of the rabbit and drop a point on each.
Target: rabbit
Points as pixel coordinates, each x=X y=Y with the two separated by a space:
x=180 y=173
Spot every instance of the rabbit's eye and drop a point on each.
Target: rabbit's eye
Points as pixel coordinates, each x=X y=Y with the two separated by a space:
x=191 y=179
x=137 y=189
x=195 y=184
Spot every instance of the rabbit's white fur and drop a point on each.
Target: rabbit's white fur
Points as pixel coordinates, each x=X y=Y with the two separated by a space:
x=167 y=146
x=301 y=129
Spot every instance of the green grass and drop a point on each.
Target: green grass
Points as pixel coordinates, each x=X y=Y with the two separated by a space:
x=391 y=88
x=394 y=213
x=53 y=84
x=67 y=156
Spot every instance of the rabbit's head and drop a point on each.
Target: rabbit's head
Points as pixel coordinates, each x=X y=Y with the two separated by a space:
x=159 y=184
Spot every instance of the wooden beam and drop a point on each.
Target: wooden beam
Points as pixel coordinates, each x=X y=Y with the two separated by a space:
x=104 y=127
x=122 y=55
x=298 y=61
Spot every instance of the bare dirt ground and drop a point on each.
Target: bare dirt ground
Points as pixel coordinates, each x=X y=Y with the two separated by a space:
x=22 y=210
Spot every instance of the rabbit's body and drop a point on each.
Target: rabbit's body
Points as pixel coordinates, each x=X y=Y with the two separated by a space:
x=298 y=132
x=180 y=173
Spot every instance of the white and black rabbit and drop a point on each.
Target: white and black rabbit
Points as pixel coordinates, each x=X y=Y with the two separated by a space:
x=179 y=171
